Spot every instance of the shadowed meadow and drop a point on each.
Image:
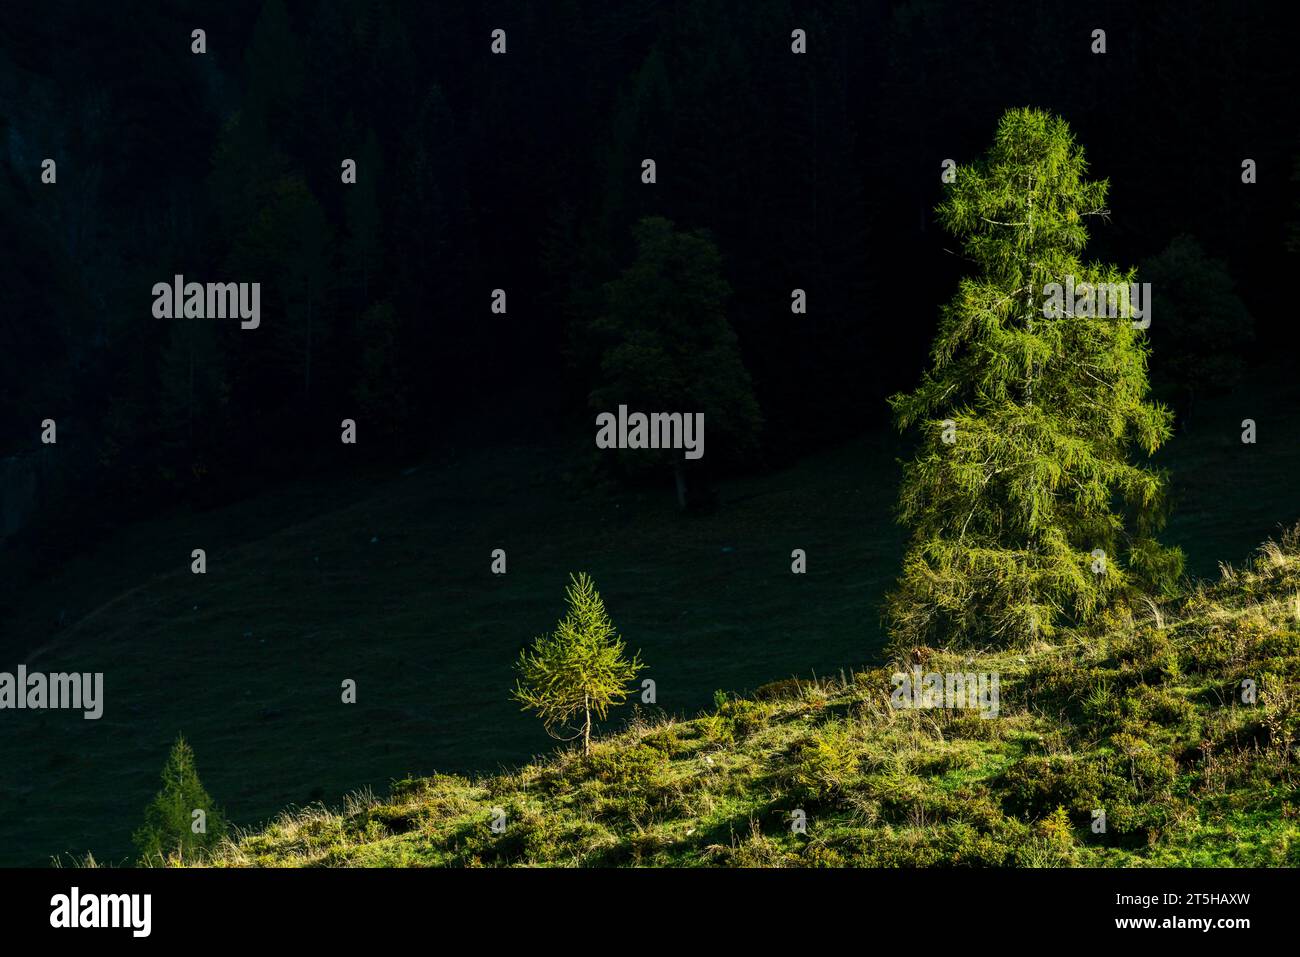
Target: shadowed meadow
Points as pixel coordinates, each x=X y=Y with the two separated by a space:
x=376 y=578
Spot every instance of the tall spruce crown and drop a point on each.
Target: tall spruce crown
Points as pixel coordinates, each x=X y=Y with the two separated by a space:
x=1025 y=510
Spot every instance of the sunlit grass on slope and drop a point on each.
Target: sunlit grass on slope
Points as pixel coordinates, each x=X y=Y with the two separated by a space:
x=1141 y=719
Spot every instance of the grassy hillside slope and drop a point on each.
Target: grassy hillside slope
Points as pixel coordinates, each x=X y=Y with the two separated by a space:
x=390 y=584
x=384 y=578
x=1142 y=719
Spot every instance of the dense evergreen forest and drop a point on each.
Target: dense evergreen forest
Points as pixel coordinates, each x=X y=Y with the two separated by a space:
x=522 y=173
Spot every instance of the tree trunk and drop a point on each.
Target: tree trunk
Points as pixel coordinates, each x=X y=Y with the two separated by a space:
x=586 y=728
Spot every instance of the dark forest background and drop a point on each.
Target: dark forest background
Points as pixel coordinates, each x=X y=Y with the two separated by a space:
x=522 y=172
